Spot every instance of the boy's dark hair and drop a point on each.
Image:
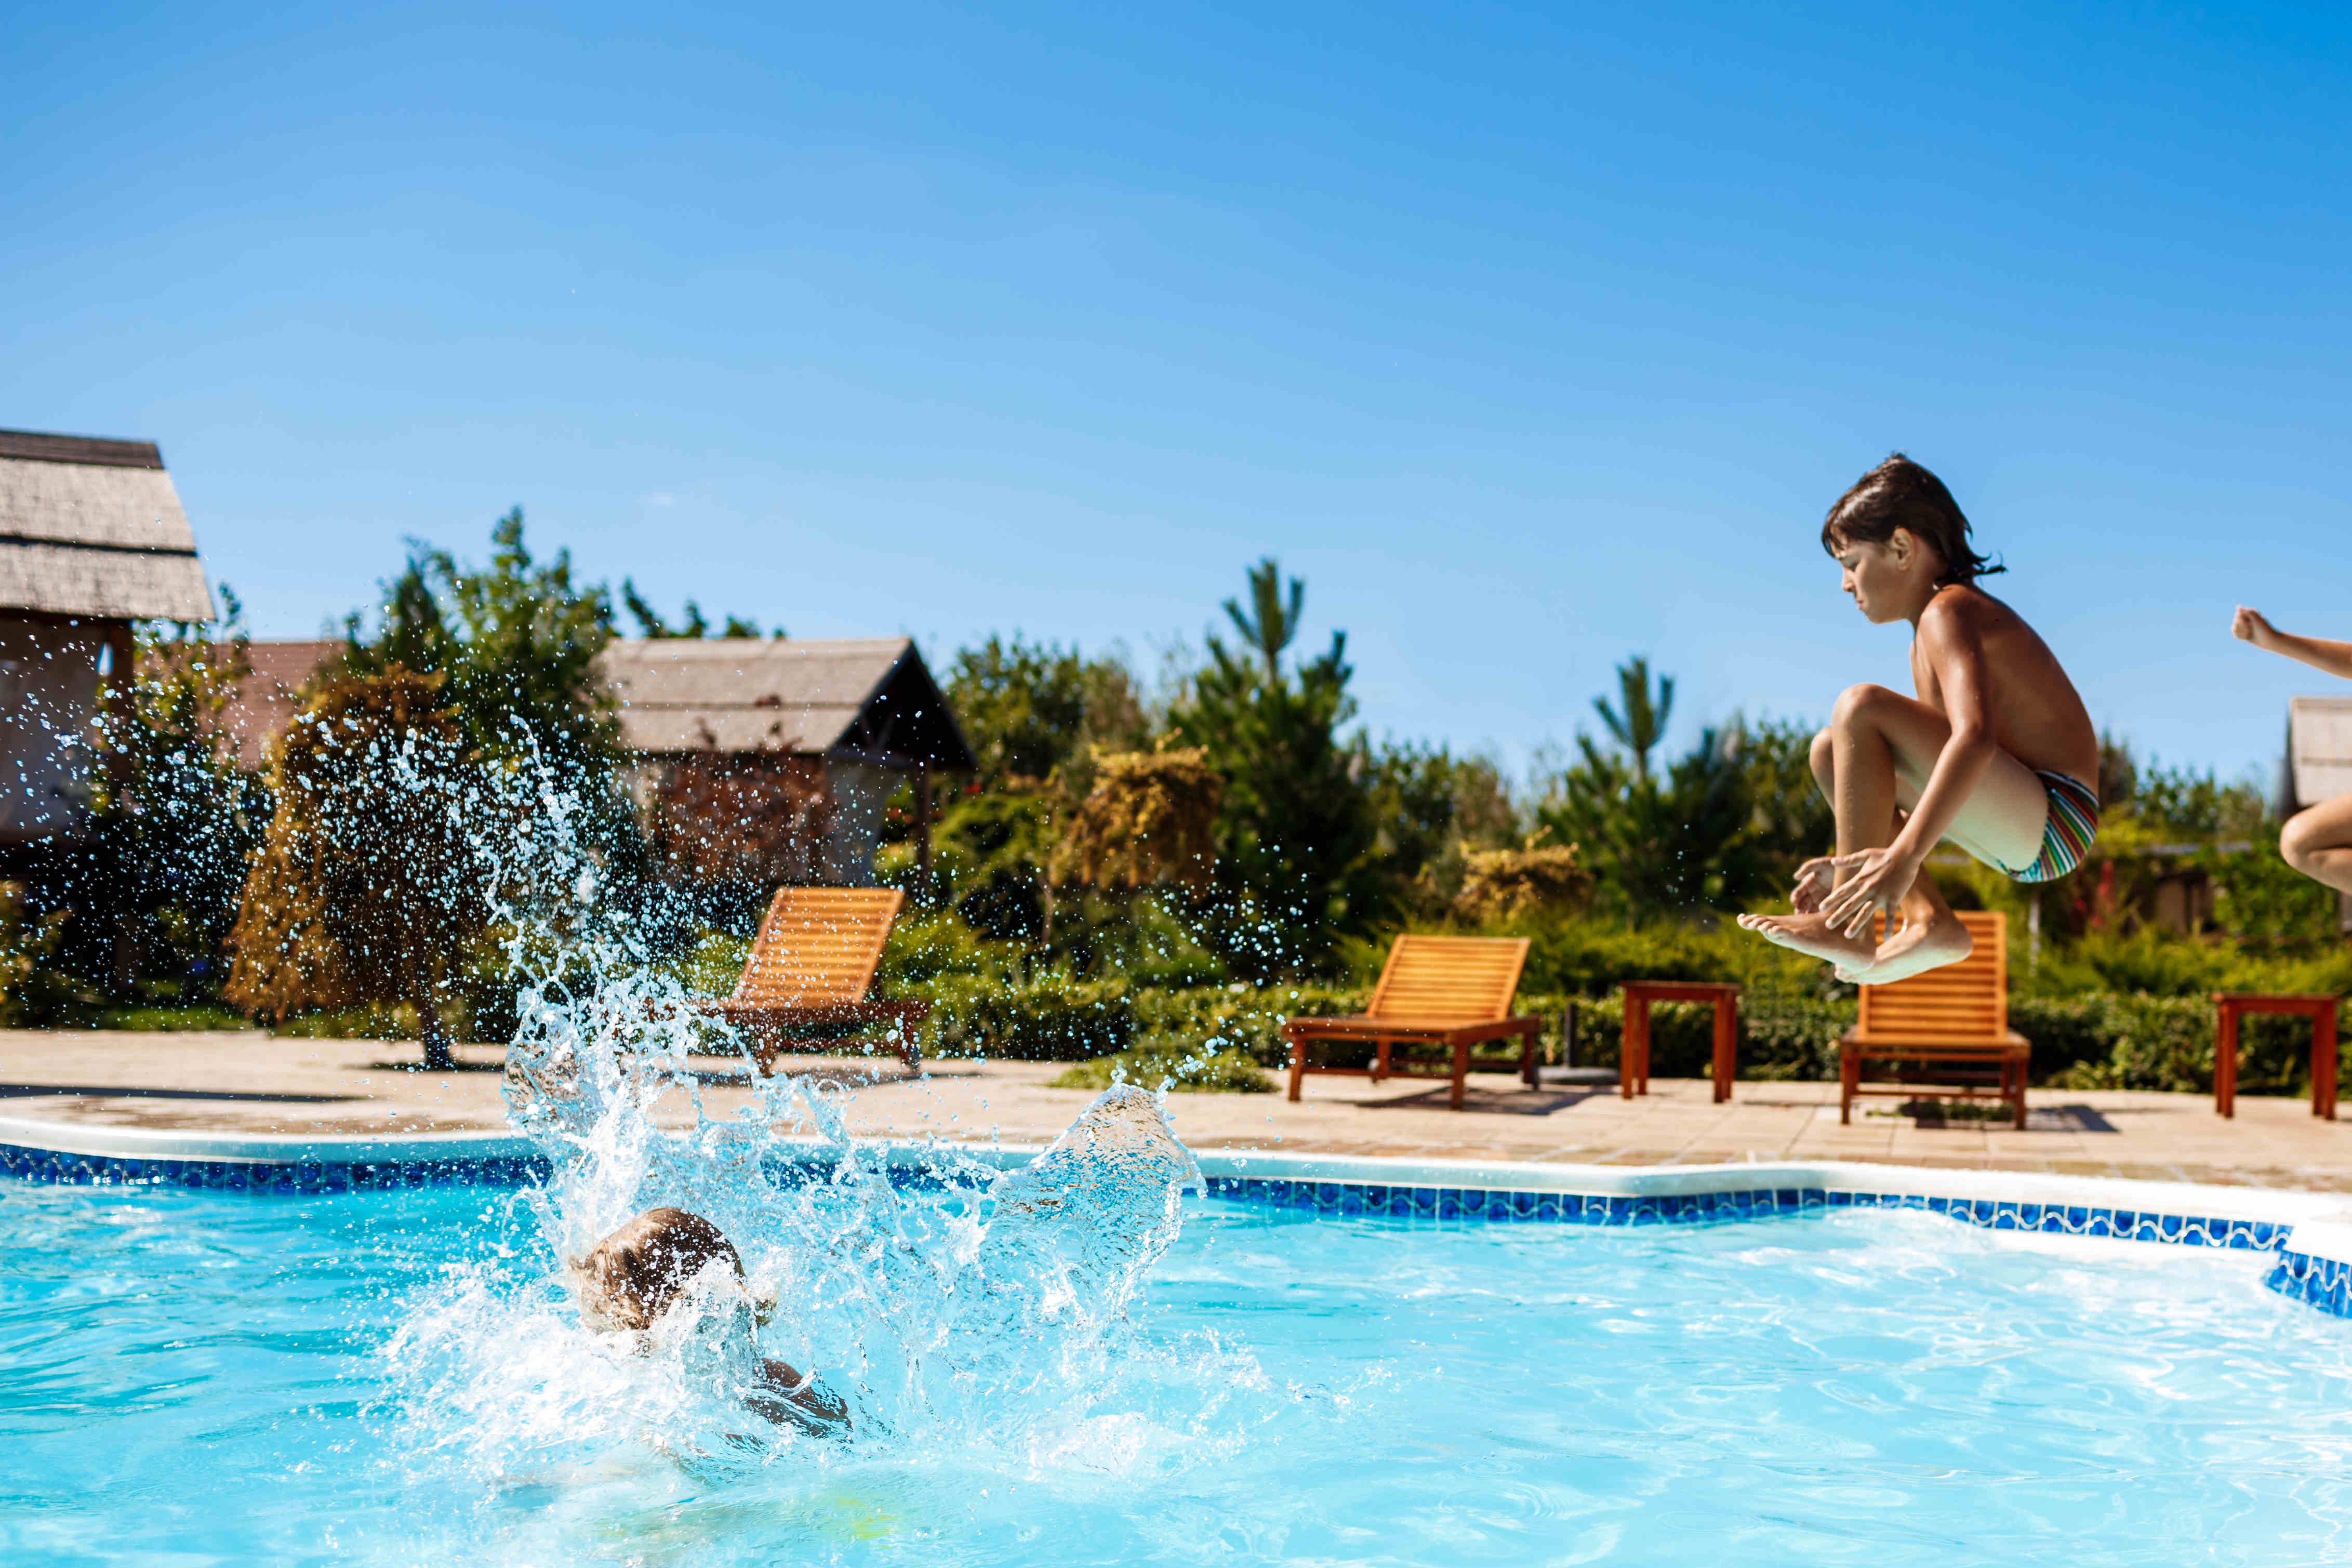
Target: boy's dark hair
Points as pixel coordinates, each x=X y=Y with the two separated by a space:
x=630 y=1277
x=1899 y=493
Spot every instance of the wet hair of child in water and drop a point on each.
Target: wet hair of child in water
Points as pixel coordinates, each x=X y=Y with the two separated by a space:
x=627 y=1282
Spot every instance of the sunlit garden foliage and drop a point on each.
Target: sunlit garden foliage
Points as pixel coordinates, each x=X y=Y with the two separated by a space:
x=1144 y=871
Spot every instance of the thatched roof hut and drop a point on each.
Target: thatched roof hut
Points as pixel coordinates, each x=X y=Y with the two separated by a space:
x=92 y=529
x=772 y=761
x=91 y=539
x=758 y=761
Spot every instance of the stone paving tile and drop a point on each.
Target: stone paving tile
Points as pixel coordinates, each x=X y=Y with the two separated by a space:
x=249 y=1082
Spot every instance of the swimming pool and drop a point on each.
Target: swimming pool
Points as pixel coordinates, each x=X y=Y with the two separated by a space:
x=385 y=1377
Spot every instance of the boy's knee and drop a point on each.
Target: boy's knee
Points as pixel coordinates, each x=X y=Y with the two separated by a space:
x=1824 y=756
x=1855 y=703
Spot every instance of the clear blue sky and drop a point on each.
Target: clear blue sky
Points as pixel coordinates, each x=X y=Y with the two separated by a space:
x=1530 y=339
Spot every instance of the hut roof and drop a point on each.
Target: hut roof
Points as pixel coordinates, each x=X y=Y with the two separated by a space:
x=93 y=528
x=873 y=700
x=2319 y=747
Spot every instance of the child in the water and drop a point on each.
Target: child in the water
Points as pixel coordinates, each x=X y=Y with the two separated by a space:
x=1996 y=752
x=2317 y=840
x=629 y=1280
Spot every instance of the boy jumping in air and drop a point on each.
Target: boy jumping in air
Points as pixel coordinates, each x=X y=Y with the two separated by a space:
x=1996 y=754
x=2317 y=841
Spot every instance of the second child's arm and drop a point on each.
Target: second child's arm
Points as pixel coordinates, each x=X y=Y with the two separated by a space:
x=1877 y=878
x=2335 y=657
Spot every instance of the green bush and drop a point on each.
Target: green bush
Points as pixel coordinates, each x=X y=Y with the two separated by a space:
x=371 y=1021
x=1175 y=1065
x=1053 y=1018
x=173 y=1020
x=1247 y=1018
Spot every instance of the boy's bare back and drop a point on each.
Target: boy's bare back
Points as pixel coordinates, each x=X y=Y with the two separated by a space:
x=2037 y=715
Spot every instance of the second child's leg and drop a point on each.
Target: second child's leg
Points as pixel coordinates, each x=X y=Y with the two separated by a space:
x=1873 y=760
x=2318 y=843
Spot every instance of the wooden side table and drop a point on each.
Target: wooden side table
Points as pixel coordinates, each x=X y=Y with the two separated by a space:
x=1634 y=1059
x=2235 y=1004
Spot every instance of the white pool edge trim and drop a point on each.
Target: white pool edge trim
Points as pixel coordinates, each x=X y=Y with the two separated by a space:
x=2324 y=1220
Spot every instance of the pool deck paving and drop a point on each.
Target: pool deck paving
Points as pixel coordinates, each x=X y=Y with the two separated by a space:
x=252 y=1083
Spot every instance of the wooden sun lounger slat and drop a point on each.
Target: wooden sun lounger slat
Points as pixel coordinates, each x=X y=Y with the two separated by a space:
x=1449 y=991
x=1955 y=1017
x=811 y=966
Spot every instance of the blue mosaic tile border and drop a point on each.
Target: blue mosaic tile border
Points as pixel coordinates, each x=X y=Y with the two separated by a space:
x=1348 y=1198
x=61 y=1169
x=2323 y=1282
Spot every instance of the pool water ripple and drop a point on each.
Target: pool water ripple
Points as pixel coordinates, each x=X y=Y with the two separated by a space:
x=203 y=1377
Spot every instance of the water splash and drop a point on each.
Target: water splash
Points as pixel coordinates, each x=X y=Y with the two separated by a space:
x=967 y=1315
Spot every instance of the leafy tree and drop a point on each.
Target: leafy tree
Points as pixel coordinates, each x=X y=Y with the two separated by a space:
x=651 y=624
x=514 y=644
x=368 y=884
x=1296 y=834
x=1031 y=710
x=137 y=907
x=1724 y=825
x=1640 y=722
x=184 y=818
x=1430 y=809
x=1036 y=714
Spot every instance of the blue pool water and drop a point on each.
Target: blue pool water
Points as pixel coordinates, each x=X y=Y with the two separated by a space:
x=391 y=1377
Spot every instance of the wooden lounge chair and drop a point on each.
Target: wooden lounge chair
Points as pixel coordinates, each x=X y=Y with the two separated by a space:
x=1449 y=991
x=1943 y=1034
x=810 y=967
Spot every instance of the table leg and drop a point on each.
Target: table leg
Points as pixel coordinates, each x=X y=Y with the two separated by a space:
x=1629 y=1050
x=1461 y=1072
x=1380 y=1059
x=2225 y=1062
x=1726 y=1034
x=2322 y=1063
x=1642 y=1082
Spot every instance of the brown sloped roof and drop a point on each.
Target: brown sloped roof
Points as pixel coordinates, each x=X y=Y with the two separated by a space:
x=91 y=527
x=265 y=699
x=871 y=698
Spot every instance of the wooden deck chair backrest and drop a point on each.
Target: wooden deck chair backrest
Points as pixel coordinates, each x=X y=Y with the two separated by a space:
x=818 y=947
x=1449 y=979
x=1958 y=1003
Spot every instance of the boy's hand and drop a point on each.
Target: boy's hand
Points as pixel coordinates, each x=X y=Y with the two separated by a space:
x=2248 y=625
x=1876 y=879
x=1815 y=878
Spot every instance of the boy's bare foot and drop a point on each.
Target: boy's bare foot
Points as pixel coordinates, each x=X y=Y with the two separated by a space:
x=1917 y=948
x=1812 y=933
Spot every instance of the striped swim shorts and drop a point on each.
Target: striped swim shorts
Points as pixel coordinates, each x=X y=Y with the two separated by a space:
x=2066 y=832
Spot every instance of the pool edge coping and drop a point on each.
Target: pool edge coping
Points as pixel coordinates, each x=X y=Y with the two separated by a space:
x=2309 y=1233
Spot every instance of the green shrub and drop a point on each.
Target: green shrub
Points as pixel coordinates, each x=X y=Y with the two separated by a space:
x=371 y=1021
x=1248 y=1019
x=1172 y=1064
x=1053 y=1018
x=173 y=1020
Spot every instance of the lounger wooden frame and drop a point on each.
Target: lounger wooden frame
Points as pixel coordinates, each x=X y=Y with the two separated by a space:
x=1454 y=991
x=1954 y=1019
x=810 y=967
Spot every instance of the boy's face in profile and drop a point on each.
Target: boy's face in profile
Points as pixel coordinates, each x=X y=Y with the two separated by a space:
x=1883 y=579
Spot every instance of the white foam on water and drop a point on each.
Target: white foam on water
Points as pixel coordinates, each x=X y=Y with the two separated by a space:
x=975 y=1320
